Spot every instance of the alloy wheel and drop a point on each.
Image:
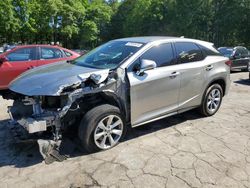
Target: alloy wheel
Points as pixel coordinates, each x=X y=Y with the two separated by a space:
x=108 y=132
x=213 y=100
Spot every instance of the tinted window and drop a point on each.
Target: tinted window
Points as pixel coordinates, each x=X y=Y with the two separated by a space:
x=51 y=53
x=243 y=51
x=188 y=52
x=23 y=54
x=161 y=54
x=209 y=52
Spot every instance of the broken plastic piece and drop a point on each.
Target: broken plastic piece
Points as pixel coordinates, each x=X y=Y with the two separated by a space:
x=49 y=150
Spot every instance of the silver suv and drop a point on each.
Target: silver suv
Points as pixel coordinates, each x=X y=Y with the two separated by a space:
x=125 y=82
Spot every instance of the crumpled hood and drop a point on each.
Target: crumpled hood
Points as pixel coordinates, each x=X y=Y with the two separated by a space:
x=49 y=80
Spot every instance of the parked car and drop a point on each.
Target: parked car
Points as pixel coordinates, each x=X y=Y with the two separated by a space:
x=81 y=52
x=8 y=47
x=125 y=82
x=239 y=56
x=22 y=58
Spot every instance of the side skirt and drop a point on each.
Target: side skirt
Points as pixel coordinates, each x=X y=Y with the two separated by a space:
x=164 y=116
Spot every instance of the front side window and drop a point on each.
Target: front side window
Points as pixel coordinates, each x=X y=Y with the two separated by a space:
x=51 y=53
x=109 y=55
x=188 y=52
x=23 y=54
x=162 y=54
x=237 y=52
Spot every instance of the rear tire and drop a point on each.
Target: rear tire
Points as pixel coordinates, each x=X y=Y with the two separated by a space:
x=211 y=100
x=101 y=128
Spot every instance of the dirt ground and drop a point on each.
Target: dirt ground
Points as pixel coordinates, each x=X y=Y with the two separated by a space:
x=185 y=150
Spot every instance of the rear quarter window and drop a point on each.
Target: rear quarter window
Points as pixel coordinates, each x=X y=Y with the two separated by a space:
x=208 y=52
x=68 y=54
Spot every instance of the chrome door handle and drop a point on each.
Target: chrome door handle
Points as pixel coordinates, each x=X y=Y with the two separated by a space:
x=209 y=67
x=174 y=74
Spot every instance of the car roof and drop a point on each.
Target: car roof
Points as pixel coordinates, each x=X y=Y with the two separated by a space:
x=35 y=45
x=146 y=39
x=152 y=39
x=225 y=47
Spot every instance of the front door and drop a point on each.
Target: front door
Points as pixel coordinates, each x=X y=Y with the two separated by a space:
x=239 y=61
x=18 y=61
x=155 y=93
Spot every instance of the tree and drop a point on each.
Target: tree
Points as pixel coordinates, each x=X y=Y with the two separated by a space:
x=87 y=23
x=9 y=24
x=96 y=23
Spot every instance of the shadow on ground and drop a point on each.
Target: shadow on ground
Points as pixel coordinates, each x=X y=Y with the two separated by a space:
x=27 y=154
x=243 y=82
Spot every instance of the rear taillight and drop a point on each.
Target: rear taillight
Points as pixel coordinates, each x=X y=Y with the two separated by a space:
x=228 y=63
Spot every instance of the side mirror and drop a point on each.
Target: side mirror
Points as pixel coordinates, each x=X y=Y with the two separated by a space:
x=146 y=65
x=3 y=59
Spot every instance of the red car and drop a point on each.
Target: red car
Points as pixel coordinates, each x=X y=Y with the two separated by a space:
x=22 y=58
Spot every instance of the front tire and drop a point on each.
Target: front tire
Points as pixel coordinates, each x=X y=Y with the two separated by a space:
x=101 y=128
x=211 y=100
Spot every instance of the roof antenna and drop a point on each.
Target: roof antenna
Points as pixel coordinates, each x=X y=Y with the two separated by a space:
x=182 y=37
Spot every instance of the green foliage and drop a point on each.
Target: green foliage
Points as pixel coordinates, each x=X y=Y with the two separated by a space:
x=87 y=23
x=9 y=24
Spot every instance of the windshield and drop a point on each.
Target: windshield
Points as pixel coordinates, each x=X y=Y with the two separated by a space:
x=109 y=55
x=226 y=51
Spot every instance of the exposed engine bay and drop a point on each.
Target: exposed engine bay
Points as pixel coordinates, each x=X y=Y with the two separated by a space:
x=56 y=113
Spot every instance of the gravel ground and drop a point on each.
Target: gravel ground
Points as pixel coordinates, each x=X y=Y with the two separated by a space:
x=181 y=151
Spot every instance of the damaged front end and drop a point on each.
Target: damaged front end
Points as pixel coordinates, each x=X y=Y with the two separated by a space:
x=39 y=111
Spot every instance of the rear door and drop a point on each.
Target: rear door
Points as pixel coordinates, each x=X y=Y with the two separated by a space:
x=155 y=93
x=19 y=61
x=191 y=67
x=51 y=54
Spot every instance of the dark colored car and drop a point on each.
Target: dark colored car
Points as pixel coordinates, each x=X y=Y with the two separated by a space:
x=21 y=58
x=239 y=56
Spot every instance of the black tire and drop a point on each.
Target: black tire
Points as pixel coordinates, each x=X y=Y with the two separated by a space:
x=204 y=108
x=90 y=122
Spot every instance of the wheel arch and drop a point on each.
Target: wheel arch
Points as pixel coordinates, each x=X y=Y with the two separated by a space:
x=87 y=102
x=221 y=81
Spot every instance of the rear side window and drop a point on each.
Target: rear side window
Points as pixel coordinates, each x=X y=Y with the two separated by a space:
x=23 y=54
x=243 y=51
x=67 y=53
x=188 y=52
x=161 y=54
x=209 y=52
x=51 y=53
